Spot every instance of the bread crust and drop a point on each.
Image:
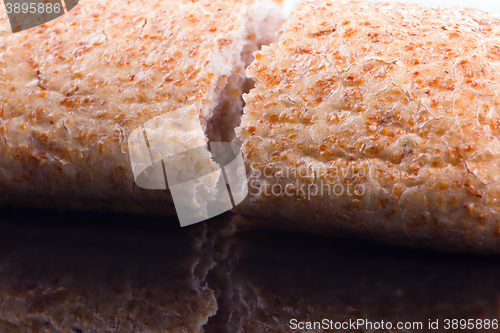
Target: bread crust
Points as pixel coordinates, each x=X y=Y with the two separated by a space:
x=72 y=90
x=397 y=99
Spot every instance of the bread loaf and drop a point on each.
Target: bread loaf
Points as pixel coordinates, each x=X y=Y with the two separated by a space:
x=73 y=90
x=378 y=120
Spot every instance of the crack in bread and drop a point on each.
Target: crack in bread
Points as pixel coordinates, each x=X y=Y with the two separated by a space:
x=72 y=90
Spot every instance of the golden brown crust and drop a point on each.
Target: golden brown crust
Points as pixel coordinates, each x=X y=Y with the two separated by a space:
x=72 y=90
x=397 y=99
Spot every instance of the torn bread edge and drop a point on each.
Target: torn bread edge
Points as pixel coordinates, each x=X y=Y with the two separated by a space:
x=162 y=148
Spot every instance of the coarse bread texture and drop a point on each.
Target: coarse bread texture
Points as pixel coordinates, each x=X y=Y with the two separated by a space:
x=265 y=19
x=73 y=90
x=378 y=120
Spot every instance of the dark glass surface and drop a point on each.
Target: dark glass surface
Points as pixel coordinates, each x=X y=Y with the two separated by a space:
x=288 y=275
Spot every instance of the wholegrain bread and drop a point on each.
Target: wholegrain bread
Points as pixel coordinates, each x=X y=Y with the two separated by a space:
x=73 y=90
x=378 y=120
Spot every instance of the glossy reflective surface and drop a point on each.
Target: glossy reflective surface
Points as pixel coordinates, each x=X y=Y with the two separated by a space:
x=77 y=272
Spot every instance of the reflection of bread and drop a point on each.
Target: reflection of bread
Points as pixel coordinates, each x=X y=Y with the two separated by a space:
x=89 y=276
x=72 y=91
x=106 y=273
x=394 y=104
x=276 y=277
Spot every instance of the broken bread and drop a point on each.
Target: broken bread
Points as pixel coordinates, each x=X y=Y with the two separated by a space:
x=378 y=120
x=73 y=90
